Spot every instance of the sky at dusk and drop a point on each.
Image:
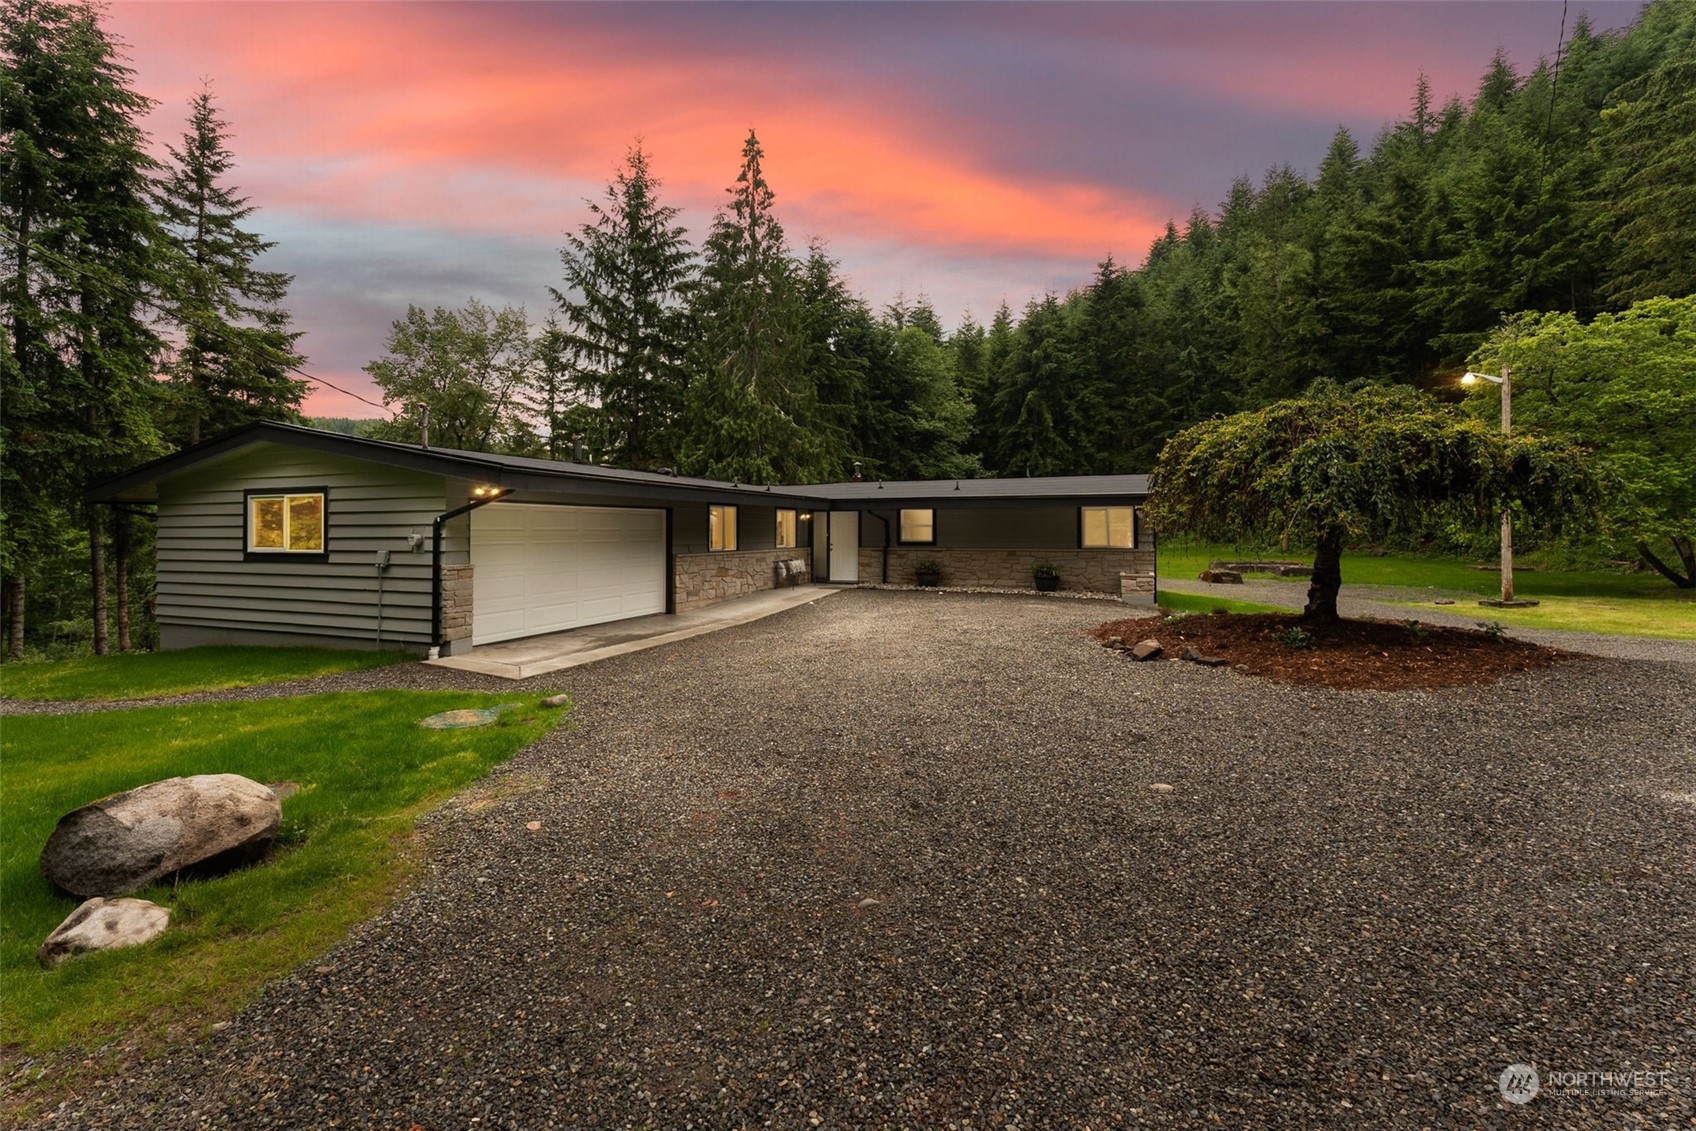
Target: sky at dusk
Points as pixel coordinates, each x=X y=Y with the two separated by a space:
x=405 y=152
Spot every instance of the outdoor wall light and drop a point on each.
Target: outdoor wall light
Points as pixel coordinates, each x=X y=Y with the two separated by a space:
x=482 y=491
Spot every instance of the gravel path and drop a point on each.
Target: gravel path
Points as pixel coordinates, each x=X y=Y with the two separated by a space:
x=1377 y=601
x=893 y=859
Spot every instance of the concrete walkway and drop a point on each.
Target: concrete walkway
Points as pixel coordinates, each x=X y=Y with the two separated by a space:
x=540 y=655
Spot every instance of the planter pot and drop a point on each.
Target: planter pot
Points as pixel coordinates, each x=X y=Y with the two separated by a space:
x=1047 y=584
x=929 y=580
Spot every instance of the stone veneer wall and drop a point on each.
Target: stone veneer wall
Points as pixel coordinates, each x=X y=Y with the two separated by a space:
x=1093 y=571
x=706 y=579
x=456 y=608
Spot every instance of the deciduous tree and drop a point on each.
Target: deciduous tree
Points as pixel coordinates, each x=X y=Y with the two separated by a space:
x=1625 y=385
x=474 y=369
x=1371 y=463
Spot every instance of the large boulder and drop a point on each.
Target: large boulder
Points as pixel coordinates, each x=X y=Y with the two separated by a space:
x=103 y=924
x=124 y=842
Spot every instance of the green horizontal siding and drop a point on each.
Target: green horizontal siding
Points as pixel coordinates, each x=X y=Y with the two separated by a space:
x=206 y=581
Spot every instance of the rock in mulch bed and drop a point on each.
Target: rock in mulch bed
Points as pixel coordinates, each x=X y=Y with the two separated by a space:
x=1349 y=654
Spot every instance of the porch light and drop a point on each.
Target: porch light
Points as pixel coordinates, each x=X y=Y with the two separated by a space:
x=484 y=491
x=1505 y=381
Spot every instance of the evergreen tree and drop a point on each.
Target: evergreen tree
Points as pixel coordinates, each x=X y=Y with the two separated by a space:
x=1033 y=415
x=997 y=349
x=752 y=410
x=839 y=342
x=1648 y=144
x=81 y=257
x=237 y=347
x=628 y=271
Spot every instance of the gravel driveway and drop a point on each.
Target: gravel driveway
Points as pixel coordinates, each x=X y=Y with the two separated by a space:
x=893 y=859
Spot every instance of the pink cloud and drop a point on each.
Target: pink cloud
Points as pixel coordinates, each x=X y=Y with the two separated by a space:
x=430 y=115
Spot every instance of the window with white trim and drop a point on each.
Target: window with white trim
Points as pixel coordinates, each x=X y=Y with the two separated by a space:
x=918 y=527
x=286 y=523
x=1108 y=528
x=785 y=530
x=721 y=528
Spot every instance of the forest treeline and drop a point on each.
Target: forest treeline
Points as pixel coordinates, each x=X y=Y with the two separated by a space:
x=1571 y=188
x=138 y=321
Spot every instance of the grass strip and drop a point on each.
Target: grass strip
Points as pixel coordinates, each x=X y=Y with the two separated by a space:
x=366 y=770
x=151 y=675
x=1620 y=604
x=1175 y=602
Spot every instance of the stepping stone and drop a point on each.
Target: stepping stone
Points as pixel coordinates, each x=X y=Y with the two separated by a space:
x=466 y=717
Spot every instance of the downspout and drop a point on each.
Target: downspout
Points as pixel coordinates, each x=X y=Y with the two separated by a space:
x=436 y=525
x=885 y=522
x=1154 y=547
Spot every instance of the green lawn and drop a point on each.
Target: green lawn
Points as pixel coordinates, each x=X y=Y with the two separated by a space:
x=367 y=771
x=150 y=675
x=1628 y=604
x=1205 y=603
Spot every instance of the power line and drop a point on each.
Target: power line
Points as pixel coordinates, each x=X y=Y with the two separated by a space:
x=156 y=306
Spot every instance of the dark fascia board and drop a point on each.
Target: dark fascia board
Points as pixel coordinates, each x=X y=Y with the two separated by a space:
x=520 y=473
x=508 y=472
x=1080 y=490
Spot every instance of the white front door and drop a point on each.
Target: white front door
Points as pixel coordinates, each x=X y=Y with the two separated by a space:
x=845 y=546
x=545 y=569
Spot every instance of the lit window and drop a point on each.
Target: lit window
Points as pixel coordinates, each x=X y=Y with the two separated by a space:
x=919 y=526
x=286 y=524
x=785 y=530
x=1108 y=528
x=721 y=528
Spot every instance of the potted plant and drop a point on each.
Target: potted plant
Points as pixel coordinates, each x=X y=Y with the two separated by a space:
x=1047 y=576
x=929 y=572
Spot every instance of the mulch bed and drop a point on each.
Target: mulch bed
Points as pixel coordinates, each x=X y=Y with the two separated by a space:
x=1372 y=655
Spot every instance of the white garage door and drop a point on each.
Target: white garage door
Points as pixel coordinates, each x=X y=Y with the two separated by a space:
x=544 y=569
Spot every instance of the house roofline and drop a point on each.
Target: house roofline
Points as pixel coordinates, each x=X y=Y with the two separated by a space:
x=510 y=473
x=520 y=473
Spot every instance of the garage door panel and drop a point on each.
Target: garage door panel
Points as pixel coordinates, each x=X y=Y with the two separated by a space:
x=546 y=569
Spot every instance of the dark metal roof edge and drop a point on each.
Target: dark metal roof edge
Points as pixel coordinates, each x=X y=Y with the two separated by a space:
x=514 y=472
x=271 y=431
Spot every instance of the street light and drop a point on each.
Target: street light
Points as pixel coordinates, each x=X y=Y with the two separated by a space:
x=1506 y=382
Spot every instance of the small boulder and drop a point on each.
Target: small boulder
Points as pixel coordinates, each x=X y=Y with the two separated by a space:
x=1194 y=656
x=561 y=700
x=1222 y=576
x=1147 y=650
x=103 y=924
x=125 y=842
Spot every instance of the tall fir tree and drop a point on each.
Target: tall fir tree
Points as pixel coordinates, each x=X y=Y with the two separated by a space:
x=1648 y=142
x=752 y=408
x=237 y=346
x=82 y=257
x=628 y=272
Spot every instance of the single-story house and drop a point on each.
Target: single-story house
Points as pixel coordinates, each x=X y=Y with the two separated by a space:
x=280 y=534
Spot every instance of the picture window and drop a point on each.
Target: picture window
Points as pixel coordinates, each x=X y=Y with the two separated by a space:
x=918 y=527
x=286 y=523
